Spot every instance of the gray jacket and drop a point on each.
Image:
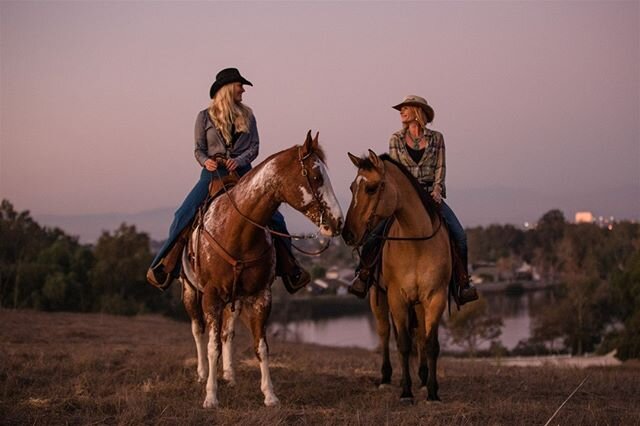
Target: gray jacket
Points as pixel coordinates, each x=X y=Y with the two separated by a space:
x=209 y=141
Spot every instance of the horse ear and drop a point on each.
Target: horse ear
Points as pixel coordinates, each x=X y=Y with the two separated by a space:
x=315 y=140
x=355 y=160
x=376 y=161
x=307 y=147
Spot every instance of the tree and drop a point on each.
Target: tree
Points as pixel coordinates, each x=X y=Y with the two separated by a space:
x=548 y=234
x=473 y=325
x=118 y=276
x=626 y=287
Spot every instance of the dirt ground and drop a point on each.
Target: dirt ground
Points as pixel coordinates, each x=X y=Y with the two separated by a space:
x=63 y=368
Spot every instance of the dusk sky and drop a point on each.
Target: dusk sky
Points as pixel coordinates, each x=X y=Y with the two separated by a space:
x=99 y=99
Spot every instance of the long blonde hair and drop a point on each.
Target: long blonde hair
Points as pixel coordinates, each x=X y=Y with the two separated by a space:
x=419 y=115
x=225 y=112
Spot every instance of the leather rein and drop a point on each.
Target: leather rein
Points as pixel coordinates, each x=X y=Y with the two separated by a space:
x=369 y=226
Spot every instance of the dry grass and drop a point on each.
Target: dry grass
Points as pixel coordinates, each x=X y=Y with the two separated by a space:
x=97 y=369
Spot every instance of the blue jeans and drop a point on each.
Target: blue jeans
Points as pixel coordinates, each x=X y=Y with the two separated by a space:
x=189 y=208
x=455 y=230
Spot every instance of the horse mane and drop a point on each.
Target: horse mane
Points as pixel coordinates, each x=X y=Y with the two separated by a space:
x=432 y=208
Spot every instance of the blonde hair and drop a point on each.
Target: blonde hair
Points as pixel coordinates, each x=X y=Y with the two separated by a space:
x=225 y=113
x=419 y=115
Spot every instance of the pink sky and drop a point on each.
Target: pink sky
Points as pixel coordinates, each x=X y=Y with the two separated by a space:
x=98 y=99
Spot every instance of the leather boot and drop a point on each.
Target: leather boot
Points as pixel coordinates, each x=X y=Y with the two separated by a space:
x=361 y=283
x=294 y=277
x=161 y=275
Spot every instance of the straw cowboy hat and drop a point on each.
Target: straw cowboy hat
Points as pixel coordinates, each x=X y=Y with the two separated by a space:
x=227 y=76
x=413 y=100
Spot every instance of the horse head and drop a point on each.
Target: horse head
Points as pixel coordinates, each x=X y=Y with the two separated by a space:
x=307 y=187
x=373 y=200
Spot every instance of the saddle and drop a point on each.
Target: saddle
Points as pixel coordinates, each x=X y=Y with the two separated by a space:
x=216 y=188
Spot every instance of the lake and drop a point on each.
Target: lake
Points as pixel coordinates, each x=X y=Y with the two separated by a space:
x=358 y=329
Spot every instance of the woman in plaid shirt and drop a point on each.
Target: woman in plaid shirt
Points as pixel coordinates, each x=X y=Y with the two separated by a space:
x=421 y=151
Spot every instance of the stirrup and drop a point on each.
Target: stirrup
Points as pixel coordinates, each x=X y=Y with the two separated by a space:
x=467 y=294
x=296 y=281
x=158 y=278
x=358 y=287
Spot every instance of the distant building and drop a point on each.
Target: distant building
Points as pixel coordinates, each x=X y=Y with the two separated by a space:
x=584 y=217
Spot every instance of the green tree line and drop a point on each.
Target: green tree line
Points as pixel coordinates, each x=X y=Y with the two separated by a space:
x=46 y=269
x=595 y=306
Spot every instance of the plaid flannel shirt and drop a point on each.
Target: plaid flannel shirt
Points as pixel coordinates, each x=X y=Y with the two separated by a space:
x=430 y=171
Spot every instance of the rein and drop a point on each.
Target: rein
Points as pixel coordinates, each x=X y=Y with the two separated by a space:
x=369 y=226
x=304 y=173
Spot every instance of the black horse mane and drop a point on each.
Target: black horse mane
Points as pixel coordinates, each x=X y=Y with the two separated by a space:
x=432 y=208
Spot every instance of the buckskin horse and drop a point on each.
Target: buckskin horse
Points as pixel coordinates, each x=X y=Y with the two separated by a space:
x=416 y=263
x=234 y=259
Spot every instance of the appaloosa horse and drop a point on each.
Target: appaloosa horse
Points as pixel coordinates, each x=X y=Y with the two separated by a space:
x=416 y=262
x=234 y=263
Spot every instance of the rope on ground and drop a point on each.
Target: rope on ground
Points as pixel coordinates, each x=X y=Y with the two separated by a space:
x=565 y=401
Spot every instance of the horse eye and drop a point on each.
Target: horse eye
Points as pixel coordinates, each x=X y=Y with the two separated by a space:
x=371 y=189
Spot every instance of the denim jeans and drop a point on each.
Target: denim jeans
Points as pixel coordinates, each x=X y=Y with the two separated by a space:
x=455 y=230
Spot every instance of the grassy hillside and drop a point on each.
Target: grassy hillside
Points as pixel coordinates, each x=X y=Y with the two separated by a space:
x=61 y=368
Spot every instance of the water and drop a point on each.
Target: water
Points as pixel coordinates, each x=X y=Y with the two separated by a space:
x=359 y=330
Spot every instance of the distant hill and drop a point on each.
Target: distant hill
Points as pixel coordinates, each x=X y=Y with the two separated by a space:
x=474 y=207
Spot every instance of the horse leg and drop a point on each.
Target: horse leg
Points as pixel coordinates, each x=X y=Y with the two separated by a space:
x=433 y=310
x=194 y=310
x=213 y=315
x=228 y=373
x=380 y=309
x=400 y=314
x=421 y=342
x=258 y=312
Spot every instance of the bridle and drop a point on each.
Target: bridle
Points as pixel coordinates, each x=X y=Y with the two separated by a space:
x=316 y=197
x=369 y=226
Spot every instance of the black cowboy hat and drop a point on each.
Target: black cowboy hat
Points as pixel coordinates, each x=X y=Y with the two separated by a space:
x=413 y=100
x=227 y=76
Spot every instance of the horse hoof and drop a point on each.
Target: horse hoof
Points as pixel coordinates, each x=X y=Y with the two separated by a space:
x=210 y=403
x=406 y=401
x=229 y=379
x=434 y=399
x=384 y=386
x=271 y=401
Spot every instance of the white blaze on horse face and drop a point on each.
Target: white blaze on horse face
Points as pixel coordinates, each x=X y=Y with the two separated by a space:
x=329 y=198
x=359 y=180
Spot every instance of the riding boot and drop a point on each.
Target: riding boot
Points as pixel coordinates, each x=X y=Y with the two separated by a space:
x=294 y=277
x=162 y=275
x=361 y=283
x=369 y=261
x=466 y=292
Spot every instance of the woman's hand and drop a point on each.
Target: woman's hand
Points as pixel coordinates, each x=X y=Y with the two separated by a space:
x=211 y=165
x=436 y=194
x=230 y=164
